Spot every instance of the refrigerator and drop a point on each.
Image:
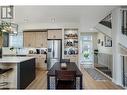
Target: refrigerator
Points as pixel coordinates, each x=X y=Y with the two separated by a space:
x=54 y=52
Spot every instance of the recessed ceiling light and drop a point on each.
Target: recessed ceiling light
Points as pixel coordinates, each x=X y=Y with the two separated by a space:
x=91 y=29
x=25 y=19
x=53 y=19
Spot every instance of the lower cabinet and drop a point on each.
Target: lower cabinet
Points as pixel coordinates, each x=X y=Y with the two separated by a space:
x=40 y=61
x=73 y=58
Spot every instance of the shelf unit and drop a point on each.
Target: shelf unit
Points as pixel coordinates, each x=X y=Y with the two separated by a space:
x=71 y=44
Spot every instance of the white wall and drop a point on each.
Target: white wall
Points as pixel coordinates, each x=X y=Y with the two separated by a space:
x=49 y=25
x=116 y=29
x=103 y=49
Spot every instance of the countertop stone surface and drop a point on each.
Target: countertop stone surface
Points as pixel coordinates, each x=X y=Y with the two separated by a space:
x=14 y=59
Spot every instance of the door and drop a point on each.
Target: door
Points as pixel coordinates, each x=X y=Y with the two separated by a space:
x=50 y=49
x=49 y=54
x=54 y=52
x=29 y=39
x=57 y=49
x=44 y=39
x=39 y=39
x=86 y=49
x=55 y=34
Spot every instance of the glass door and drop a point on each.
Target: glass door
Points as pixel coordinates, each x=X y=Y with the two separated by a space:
x=86 y=50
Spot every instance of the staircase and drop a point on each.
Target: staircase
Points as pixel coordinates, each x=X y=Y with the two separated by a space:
x=107 y=21
x=123 y=32
x=105 y=25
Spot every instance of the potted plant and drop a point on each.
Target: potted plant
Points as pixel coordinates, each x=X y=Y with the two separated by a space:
x=86 y=54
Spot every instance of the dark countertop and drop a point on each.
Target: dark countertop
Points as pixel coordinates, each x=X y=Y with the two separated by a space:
x=70 y=66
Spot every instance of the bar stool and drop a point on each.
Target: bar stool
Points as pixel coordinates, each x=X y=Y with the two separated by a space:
x=3 y=72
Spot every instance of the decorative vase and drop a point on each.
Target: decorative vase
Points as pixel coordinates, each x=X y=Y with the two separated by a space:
x=63 y=65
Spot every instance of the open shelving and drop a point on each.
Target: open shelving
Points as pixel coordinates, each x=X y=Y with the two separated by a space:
x=70 y=41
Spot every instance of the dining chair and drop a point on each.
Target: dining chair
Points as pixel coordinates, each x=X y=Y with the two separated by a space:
x=65 y=79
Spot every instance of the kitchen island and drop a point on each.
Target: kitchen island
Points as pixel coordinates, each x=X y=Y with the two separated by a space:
x=23 y=72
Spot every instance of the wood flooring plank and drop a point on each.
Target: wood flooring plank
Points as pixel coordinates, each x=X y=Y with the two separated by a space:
x=40 y=82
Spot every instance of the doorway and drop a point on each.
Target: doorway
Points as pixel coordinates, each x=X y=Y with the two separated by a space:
x=86 y=51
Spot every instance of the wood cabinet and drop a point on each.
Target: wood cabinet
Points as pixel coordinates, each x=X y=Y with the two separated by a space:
x=41 y=39
x=73 y=58
x=40 y=61
x=55 y=34
x=29 y=39
x=35 y=39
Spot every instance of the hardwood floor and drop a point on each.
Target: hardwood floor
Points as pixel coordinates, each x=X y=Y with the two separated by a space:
x=88 y=83
x=40 y=81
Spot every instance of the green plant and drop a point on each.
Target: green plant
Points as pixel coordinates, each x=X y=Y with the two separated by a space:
x=86 y=54
x=11 y=48
x=4 y=27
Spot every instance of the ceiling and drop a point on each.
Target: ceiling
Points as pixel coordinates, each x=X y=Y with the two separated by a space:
x=47 y=14
x=84 y=16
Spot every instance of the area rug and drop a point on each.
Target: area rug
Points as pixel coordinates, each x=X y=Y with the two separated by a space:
x=96 y=75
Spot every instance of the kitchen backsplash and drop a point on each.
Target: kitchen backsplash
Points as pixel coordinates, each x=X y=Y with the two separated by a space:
x=23 y=51
x=8 y=51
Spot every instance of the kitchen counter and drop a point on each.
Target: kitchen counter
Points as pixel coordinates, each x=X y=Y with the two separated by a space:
x=23 y=72
x=14 y=59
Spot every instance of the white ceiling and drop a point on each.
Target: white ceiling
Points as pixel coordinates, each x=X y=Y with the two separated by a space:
x=73 y=14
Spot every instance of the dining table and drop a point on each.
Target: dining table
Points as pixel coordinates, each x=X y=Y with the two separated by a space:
x=69 y=66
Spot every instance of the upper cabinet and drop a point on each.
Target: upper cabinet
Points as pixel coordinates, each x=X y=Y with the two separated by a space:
x=35 y=39
x=29 y=39
x=55 y=34
x=41 y=39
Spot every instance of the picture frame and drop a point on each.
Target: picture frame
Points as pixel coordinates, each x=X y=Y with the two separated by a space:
x=99 y=41
x=108 y=41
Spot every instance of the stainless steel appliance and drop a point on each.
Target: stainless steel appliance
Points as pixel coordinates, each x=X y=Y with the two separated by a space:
x=54 y=52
